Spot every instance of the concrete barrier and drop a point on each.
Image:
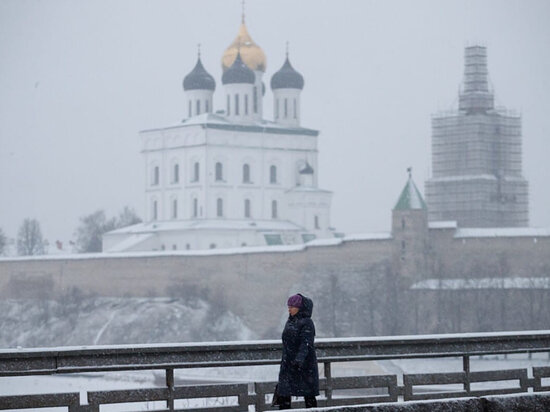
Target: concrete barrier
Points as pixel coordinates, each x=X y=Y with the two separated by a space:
x=538 y=402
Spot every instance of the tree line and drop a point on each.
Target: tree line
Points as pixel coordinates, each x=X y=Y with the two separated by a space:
x=88 y=235
x=375 y=300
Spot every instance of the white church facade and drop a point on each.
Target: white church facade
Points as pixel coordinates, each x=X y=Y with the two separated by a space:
x=230 y=178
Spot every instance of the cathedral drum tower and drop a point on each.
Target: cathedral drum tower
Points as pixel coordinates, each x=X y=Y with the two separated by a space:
x=476 y=157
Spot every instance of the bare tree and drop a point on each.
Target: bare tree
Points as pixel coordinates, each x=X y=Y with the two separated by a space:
x=90 y=231
x=29 y=238
x=92 y=227
x=127 y=217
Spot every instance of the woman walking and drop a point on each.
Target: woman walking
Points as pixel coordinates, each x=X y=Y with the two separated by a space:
x=299 y=374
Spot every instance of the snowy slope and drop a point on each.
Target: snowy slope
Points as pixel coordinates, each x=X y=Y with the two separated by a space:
x=93 y=321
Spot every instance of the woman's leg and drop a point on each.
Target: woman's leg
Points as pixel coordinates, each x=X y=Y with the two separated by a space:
x=284 y=402
x=311 y=402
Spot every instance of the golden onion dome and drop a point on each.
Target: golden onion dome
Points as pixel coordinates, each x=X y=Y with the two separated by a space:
x=252 y=55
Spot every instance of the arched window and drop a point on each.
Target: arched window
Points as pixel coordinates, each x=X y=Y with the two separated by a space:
x=155 y=210
x=246 y=173
x=273 y=174
x=316 y=222
x=277 y=109
x=219 y=171
x=176 y=175
x=198 y=107
x=247 y=208
x=196 y=172
x=236 y=104
x=403 y=224
x=195 y=207
x=190 y=108
x=295 y=110
x=255 y=99
x=174 y=208
x=246 y=104
x=156 y=175
x=206 y=106
x=286 y=107
x=274 y=212
x=219 y=207
x=228 y=105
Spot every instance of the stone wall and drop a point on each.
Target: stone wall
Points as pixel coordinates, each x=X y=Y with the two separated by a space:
x=255 y=284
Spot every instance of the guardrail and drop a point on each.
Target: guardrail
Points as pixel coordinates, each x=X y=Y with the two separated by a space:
x=168 y=357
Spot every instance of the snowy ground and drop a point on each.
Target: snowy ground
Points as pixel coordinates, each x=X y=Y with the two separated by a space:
x=449 y=365
x=149 y=379
x=79 y=321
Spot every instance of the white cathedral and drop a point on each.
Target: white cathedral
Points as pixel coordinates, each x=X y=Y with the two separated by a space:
x=230 y=178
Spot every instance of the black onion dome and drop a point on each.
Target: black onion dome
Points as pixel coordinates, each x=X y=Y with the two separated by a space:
x=238 y=72
x=199 y=79
x=307 y=170
x=287 y=78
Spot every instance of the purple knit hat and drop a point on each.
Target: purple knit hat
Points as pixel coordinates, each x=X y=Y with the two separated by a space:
x=295 y=301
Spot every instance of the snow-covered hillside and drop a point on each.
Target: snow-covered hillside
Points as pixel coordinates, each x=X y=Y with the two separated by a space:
x=81 y=320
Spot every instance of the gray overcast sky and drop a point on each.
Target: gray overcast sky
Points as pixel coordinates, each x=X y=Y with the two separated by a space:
x=79 y=79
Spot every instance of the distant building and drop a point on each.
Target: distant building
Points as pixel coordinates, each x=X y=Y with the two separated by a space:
x=476 y=157
x=230 y=178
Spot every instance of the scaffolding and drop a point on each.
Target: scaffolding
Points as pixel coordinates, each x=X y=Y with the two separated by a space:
x=477 y=157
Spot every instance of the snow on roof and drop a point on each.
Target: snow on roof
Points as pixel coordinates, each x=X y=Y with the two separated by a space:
x=331 y=241
x=463 y=178
x=157 y=253
x=209 y=224
x=502 y=232
x=444 y=224
x=207 y=252
x=205 y=118
x=215 y=119
x=483 y=283
x=130 y=241
x=368 y=236
x=307 y=189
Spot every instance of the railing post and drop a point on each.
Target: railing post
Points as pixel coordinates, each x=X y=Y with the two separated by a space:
x=260 y=404
x=466 y=368
x=328 y=378
x=170 y=385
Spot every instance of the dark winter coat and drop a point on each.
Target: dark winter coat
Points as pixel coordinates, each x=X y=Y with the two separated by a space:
x=299 y=374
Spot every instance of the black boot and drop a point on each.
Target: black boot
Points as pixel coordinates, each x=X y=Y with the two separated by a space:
x=284 y=402
x=311 y=402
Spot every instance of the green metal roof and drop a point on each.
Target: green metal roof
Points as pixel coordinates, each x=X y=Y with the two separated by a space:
x=410 y=198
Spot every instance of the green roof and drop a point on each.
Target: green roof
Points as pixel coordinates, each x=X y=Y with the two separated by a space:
x=410 y=198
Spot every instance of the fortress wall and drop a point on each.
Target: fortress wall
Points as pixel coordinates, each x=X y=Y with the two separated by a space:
x=479 y=257
x=254 y=286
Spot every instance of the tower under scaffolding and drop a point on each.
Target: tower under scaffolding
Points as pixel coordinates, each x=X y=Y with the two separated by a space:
x=476 y=157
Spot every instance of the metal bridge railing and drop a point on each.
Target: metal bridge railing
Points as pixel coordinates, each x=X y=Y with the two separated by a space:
x=378 y=388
